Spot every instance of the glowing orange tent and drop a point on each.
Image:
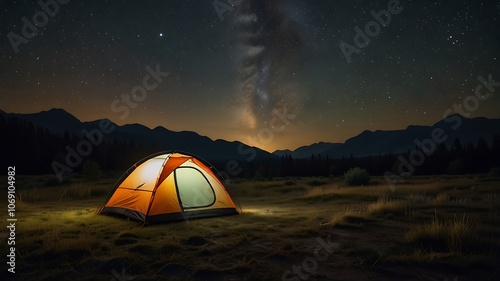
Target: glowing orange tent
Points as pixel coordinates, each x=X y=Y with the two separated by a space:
x=169 y=186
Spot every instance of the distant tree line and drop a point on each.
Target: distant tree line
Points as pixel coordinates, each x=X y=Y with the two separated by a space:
x=33 y=149
x=470 y=158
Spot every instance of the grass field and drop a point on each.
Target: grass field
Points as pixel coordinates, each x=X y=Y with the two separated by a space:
x=428 y=228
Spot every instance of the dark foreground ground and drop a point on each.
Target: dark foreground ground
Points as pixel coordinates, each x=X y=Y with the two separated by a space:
x=430 y=228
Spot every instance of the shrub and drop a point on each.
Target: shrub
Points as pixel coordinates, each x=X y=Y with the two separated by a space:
x=258 y=176
x=315 y=183
x=356 y=176
x=456 y=167
x=494 y=172
x=92 y=170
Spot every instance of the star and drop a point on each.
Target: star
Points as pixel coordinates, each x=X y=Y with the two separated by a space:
x=265 y=54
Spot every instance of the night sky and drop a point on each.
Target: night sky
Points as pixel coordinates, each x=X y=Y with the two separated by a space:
x=231 y=71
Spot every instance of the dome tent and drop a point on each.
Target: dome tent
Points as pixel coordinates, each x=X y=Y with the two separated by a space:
x=169 y=186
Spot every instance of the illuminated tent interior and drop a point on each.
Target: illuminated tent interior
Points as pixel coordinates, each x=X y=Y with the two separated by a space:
x=169 y=186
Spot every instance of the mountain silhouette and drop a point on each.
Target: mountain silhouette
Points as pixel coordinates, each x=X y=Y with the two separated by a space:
x=55 y=120
x=308 y=150
x=467 y=130
x=59 y=121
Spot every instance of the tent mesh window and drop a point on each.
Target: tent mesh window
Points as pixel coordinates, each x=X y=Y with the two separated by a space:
x=194 y=189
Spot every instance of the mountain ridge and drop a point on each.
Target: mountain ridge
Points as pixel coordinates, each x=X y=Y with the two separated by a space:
x=59 y=121
x=368 y=142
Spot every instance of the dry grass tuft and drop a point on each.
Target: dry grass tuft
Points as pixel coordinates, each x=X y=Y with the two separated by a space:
x=456 y=236
x=348 y=217
x=79 y=191
x=386 y=205
x=31 y=196
x=441 y=198
x=316 y=191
